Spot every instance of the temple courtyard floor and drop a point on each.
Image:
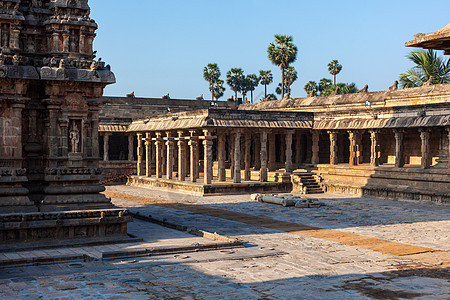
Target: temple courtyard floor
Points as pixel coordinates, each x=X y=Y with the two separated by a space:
x=351 y=248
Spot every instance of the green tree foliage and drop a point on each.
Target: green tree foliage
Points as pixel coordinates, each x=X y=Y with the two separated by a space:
x=252 y=81
x=343 y=88
x=282 y=53
x=235 y=79
x=311 y=86
x=266 y=79
x=279 y=89
x=349 y=88
x=270 y=97
x=289 y=77
x=427 y=64
x=212 y=74
x=334 y=68
x=324 y=83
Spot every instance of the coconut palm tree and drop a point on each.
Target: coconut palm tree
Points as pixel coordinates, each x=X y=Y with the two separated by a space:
x=235 y=78
x=218 y=89
x=334 y=68
x=211 y=73
x=324 y=83
x=349 y=88
x=282 y=53
x=427 y=64
x=266 y=79
x=289 y=77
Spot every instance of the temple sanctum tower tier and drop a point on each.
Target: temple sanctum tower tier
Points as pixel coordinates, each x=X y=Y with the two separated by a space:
x=50 y=91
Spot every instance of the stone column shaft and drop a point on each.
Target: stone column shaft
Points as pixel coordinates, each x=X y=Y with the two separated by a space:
x=374 y=148
x=148 y=155
x=333 y=147
x=130 y=148
x=169 y=153
x=257 y=150
x=426 y=157
x=298 y=150
x=106 y=136
x=207 y=157
x=182 y=156
x=193 y=145
x=221 y=157
x=288 y=138
x=247 y=156
x=237 y=157
x=159 y=145
x=315 y=147
x=272 y=154
x=353 y=159
x=399 y=159
x=140 y=151
x=263 y=155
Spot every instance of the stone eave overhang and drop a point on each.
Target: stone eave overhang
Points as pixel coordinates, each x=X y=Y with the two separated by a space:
x=224 y=118
x=438 y=40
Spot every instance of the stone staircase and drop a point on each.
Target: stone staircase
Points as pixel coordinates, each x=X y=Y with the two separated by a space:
x=306 y=183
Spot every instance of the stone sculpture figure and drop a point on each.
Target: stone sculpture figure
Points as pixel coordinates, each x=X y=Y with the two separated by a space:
x=74 y=138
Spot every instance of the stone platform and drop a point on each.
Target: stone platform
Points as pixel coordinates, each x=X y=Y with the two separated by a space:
x=215 y=188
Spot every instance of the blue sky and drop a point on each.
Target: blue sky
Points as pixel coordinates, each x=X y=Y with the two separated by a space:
x=156 y=47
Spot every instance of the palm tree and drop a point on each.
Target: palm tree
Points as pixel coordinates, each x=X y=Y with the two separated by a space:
x=235 y=78
x=349 y=88
x=266 y=79
x=218 y=89
x=428 y=64
x=334 y=68
x=252 y=82
x=289 y=77
x=211 y=73
x=324 y=83
x=282 y=53
x=311 y=86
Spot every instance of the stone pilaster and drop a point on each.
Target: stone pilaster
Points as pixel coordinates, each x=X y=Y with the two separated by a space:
x=208 y=168
x=221 y=157
x=247 y=156
x=399 y=159
x=94 y=107
x=53 y=107
x=272 y=154
x=288 y=138
x=130 y=148
x=17 y=107
x=170 y=153
x=106 y=136
x=159 y=145
x=333 y=147
x=426 y=157
x=263 y=169
x=193 y=145
x=353 y=159
x=374 y=148
x=148 y=154
x=140 y=151
x=237 y=157
x=315 y=147
x=182 y=156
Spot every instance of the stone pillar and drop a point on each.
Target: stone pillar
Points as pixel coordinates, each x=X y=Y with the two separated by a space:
x=399 y=159
x=193 y=145
x=169 y=152
x=130 y=148
x=221 y=157
x=448 y=150
x=374 y=148
x=181 y=156
x=140 y=151
x=426 y=157
x=315 y=146
x=159 y=145
x=298 y=150
x=257 y=150
x=237 y=157
x=359 y=147
x=353 y=159
x=66 y=47
x=55 y=45
x=148 y=154
x=106 y=136
x=272 y=154
x=231 y=153
x=263 y=169
x=247 y=156
x=333 y=147
x=288 y=138
x=208 y=168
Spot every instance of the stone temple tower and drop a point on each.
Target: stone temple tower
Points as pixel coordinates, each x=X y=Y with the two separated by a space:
x=50 y=86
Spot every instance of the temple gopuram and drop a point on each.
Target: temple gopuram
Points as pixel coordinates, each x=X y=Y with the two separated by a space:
x=391 y=144
x=50 y=98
